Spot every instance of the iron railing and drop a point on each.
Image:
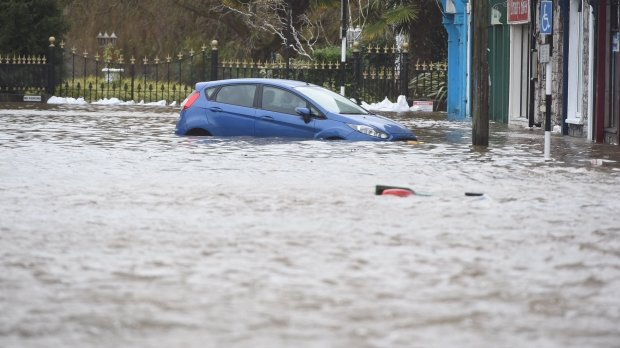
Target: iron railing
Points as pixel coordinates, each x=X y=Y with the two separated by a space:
x=371 y=74
x=22 y=75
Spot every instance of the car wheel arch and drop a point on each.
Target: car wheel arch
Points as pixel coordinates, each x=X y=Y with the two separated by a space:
x=333 y=134
x=198 y=132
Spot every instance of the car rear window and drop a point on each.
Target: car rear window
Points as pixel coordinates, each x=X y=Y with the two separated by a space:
x=242 y=95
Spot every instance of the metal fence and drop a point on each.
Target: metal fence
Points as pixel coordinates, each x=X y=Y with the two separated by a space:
x=21 y=75
x=371 y=74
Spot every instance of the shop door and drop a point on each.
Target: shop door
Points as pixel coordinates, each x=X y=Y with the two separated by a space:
x=519 y=72
x=499 y=61
x=575 y=63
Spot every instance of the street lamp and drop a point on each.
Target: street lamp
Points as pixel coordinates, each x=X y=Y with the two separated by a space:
x=113 y=38
x=353 y=35
x=344 y=25
x=104 y=40
x=100 y=40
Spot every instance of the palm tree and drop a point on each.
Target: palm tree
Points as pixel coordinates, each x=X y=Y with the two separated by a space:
x=419 y=20
x=389 y=18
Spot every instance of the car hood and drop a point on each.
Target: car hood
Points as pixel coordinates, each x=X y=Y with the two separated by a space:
x=382 y=123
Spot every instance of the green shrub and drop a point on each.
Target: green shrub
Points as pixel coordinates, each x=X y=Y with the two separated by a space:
x=93 y=89
x=431 y=84
x=328 y=54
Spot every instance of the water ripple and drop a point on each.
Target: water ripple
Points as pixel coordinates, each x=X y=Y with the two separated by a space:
x=114 y=232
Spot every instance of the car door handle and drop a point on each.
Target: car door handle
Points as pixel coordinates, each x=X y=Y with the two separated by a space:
x=265 y=117
x=215 y=109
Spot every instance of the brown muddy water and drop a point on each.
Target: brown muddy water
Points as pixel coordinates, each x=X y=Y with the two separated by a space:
x=114 y=232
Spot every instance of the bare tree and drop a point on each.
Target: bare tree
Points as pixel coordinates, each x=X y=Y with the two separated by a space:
x=286 y=20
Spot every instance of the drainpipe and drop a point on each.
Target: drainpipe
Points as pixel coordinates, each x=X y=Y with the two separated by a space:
x=565 y=12
x=591 y=80
x=532 y=65
x=468 y=62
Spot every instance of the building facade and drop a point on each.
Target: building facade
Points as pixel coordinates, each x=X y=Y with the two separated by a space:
x=583 y=55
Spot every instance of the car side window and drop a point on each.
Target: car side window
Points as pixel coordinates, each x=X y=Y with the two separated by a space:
x=279 y=100
x=315 y=112
x=242 y=95
x=209 y=92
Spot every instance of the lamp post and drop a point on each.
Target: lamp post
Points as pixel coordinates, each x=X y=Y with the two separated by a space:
x=344 y=16
x=288 y=37
x=107 y=43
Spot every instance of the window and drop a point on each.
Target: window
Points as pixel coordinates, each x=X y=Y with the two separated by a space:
x=209 y=92
x=331 y=101
x=242 y=95
x=315 y=112
x=279 y=100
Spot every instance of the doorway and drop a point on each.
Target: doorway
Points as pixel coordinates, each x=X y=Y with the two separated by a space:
x=499 y=61
x=519 y=73
x=612 y=116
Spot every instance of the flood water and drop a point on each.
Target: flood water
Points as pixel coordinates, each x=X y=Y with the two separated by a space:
x=114 y=232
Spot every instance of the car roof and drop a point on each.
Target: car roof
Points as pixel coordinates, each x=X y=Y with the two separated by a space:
x=275 y=82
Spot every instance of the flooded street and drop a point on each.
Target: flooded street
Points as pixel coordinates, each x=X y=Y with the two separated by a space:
x=114 y=232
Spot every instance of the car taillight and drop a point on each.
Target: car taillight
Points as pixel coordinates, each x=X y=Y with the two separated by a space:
x=191 y=99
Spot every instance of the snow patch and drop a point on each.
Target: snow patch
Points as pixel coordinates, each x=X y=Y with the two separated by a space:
x=60 y=100
x=106 y=101
x=401 y=105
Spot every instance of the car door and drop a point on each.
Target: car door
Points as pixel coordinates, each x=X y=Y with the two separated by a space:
x=231 y=111
x=277 y=117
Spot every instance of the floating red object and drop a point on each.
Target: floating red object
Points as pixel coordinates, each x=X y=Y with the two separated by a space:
x=397 y=192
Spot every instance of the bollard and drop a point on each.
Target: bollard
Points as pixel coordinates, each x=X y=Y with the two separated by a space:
x=548 y=111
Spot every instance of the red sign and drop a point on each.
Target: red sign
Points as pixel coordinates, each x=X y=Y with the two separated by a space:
x=518 y=11
x=422 y=105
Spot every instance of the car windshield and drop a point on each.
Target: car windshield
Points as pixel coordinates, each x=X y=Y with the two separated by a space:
x=331 y=101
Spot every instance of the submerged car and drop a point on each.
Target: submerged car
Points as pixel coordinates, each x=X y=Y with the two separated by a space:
x=281 y=108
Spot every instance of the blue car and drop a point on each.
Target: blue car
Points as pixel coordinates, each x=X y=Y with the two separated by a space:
x=281 y=108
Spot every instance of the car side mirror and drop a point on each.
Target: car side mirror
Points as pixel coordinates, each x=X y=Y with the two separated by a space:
x=304 y=113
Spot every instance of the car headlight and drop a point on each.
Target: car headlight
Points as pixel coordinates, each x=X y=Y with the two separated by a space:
x=368 y=130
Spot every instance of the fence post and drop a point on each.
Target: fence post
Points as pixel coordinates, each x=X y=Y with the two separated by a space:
x=73 y=50
x=96 y=75
x=133 y=75
x=50 y=67
x=61 y=75
x=191 y=67
x=85 y=55
x=214 y=60
x=145 y=63
x=357 y=73
x=203 y=76
x=404 y=70
x=180 y=56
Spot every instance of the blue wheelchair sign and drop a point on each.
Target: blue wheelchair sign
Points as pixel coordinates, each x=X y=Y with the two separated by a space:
x=546 y=17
